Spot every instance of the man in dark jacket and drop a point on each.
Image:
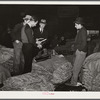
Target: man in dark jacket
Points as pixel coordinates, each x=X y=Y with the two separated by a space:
x=17 y=44
x=80 y=48
x=28 y=48
x=41 y=36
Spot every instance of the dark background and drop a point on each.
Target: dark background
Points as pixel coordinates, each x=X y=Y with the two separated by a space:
x=59 y=18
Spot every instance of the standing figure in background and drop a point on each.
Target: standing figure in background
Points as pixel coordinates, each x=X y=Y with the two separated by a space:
x=41 y=36
x=17 y=44
x=62 y=41
x=28 y=48
x=80 y=48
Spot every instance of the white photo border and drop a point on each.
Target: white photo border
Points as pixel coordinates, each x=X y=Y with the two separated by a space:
x=46 y=94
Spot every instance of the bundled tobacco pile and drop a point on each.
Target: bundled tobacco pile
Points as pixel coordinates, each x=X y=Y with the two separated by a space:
x=6 y=58
x=27 y=82
x=6 y=63
x=42 y=77
x=58 y=68
x=91 y=72
x=4 y=74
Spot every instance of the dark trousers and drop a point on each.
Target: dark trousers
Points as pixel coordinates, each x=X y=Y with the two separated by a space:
x=29 y=52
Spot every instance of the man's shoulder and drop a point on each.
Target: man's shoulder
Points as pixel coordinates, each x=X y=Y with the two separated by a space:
x=19 y=25
x=83 y=29
x=36 y=31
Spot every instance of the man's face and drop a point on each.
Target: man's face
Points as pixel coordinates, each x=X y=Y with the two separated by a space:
x=26 y=21
x=78 y=26
x=42 y=25
x=33 y=23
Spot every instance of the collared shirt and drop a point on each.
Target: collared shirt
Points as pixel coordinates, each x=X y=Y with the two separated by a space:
x=29 y=25
x=37 y=33
x=41 y=30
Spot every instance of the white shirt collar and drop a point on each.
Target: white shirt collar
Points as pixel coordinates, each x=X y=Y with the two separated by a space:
x=29 y=25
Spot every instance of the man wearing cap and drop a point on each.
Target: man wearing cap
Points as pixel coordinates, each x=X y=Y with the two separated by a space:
x=17 y=44
x=41 y=35
x=80 y=48
x=28 y=48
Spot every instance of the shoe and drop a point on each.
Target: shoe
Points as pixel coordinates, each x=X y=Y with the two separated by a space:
x=78 y=84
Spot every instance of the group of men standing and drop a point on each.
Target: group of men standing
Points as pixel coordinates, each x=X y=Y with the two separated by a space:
x=26 y=43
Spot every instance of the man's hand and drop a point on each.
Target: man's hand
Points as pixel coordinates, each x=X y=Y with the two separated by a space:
x=39 y=43
x=17 y=41
x=39 y=46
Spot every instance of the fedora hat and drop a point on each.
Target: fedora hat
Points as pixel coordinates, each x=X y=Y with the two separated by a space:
x=79 y=20
x=43 y=21
x=28 y=17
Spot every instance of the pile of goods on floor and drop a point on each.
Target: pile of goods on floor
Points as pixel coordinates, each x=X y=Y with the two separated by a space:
x=6 y=63
x=43 y=76
x=50 y=74
x=91 y=72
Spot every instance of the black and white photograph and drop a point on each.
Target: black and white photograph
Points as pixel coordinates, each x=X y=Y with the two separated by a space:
x=50 y=48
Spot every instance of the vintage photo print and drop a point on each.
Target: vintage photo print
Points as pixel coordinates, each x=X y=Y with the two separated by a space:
x=49 y=49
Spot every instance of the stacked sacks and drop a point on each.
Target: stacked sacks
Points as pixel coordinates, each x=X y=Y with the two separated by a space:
x=6 y=63
x=5 y=54
x=6 y=58
x=91 y=72
x=4 y=74
x=58 y=69
x=42 y=77
x=63 y=70
x=38 y=80
x=27 y=82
